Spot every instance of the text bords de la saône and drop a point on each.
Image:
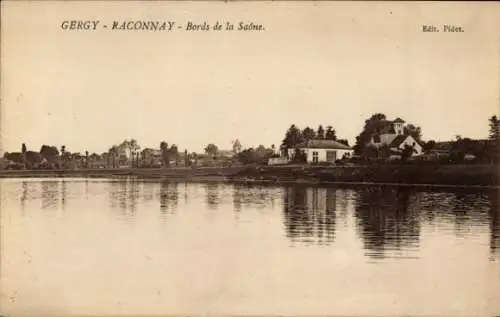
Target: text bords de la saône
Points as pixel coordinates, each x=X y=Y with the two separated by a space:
x=140 y=25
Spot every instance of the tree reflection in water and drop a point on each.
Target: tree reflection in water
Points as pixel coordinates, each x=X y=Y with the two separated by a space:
x=387 y=220
x=309 y=214
x=212 y=195
x=168 y=196
x=124 y=194
x=261 y=197
x=50 y=192
x=494 y=217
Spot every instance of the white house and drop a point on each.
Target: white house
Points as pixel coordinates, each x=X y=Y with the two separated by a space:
x=401 y=141
x=317 y=151
x=392 y=134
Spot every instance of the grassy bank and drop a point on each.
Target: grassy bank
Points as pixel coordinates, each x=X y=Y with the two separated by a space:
x=448 y=175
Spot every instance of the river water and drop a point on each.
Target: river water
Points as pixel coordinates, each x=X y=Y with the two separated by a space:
x=130 y=247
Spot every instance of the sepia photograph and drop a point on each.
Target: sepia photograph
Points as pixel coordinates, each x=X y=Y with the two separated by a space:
x=260 y=158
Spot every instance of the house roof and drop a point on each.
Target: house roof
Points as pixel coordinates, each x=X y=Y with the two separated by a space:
x=398 y=140
x=324 y=144
x=401 y=138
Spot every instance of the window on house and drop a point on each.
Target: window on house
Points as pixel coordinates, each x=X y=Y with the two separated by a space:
x=315 y=157
x=376 y=138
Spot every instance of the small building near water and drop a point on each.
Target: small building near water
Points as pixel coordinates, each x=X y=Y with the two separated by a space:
x=323 y=151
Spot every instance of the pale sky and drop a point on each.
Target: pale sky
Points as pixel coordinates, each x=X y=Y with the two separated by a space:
x=316 y=63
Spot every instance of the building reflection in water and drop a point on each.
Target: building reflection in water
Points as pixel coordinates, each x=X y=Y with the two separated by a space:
x=387 y=220
x=310 y=214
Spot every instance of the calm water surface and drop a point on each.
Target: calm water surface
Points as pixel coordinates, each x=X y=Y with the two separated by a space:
x=78 y=246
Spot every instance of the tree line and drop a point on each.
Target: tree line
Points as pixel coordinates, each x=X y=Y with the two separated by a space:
x=486 y=151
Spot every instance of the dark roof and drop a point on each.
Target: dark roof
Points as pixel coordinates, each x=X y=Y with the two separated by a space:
x=324 y=144
x=398 y=140
x=399 y=120
x=401 y=138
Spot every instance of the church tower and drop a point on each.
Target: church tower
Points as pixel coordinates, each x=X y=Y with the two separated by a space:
x=399 y=126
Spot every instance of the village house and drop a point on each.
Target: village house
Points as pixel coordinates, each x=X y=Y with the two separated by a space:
x=322 y=151
x=392 y=134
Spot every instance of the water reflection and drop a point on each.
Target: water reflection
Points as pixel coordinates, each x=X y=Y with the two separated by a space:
x=24 y=193
x=387 y=220
x=309 y=214
x=124 y=195
x=50 y=194
x=494 y=217
x=451 y=238
x=253 y=196
x=212 y=195
x=168 y=196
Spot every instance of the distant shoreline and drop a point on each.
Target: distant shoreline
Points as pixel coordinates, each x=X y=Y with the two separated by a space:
x=445 y=176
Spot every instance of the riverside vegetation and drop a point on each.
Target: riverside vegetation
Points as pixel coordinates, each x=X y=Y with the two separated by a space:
x=465 y=162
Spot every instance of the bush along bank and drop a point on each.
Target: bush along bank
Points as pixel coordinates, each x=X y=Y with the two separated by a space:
x=468 y=175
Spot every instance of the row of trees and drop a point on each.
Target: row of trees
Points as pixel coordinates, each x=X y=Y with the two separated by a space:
x=294 y=136
x=130 y=153
x=482 y=150
x=47 y=156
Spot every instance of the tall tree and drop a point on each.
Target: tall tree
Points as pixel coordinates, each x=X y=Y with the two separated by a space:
x=23 y=151
x=113 y=152
x=165 y=154
x=331 y=134
x=211 y=150
x=236 y=146
x=293 y=136
x=320 y=134
x=372 y=124
x=62 y=158
x=494 y=138
x=50 y=153
x=174 y=152
x=494 y=128
x=186 y=158
x=308 y=134
x=414 y=131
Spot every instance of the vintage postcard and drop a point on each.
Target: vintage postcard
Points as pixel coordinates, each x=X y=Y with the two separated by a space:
x=263 y=158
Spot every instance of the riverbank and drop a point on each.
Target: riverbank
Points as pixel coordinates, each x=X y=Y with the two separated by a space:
x=395 y=175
